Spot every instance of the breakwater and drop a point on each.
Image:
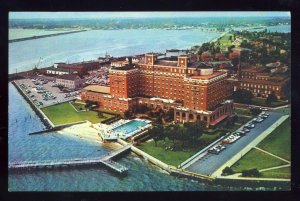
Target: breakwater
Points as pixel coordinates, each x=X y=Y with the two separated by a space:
x=43 y=36
x=56 y=128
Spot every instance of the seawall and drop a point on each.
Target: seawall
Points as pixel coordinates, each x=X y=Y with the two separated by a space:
x=48 y=124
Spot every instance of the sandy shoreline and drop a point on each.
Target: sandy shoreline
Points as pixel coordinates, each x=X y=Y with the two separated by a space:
x=87 y=131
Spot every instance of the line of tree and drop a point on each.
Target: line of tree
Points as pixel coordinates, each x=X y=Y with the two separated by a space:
x=242 y=96
x=181 y=136
x=271 y=98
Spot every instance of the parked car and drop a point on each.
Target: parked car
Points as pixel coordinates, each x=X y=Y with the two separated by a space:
x=246 y=130
x=214 y=150
x=241 y=133
x=258 y=120
x=249 y=126
x=220 y=147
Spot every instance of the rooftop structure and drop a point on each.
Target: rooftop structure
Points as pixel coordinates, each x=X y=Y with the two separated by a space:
x=99 y=89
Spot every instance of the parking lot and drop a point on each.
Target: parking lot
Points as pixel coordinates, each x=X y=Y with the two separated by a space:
x=210 y=162
x=99 y=77
x=43 y=93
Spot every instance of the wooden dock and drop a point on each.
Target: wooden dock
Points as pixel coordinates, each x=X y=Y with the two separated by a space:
x=105 y=160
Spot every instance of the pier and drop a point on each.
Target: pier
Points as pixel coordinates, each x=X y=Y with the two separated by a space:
x=105 y=160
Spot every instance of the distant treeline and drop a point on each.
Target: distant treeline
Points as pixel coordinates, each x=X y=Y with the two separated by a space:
x=144 y=23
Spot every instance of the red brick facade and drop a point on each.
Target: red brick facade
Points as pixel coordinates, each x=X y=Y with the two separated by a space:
x=186 y=87
x=261 y=84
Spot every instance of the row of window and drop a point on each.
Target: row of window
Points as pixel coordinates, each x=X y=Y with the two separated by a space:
x=260 y=86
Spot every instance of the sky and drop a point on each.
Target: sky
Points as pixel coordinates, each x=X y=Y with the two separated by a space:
x=55 y=15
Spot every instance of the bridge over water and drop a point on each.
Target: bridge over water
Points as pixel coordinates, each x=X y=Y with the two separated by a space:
x=105 y=160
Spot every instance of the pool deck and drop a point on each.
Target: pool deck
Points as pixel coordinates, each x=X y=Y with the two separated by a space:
x=109 y=133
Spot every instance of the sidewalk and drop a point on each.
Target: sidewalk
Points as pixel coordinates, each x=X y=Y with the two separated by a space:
x=273 y=168
x=272 y=155
x=270 y=108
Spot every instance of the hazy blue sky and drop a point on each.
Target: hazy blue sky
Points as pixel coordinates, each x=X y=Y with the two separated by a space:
x=53 y=15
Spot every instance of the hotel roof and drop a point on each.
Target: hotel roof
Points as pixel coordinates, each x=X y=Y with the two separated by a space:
x=99 y=89
x=276 y=81
x=215 y=74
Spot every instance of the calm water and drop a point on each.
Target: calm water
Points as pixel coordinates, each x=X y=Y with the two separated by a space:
x=23 y=147
x=130 y=126
x=92 y=44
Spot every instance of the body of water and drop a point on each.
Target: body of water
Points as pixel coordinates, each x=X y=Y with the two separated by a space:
x=22 y=120
x=76 y=47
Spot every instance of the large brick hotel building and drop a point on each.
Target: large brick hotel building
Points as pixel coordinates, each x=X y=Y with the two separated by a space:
x=195 y=93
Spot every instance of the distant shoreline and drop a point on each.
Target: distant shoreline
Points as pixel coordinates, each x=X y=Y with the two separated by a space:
x=43 y=36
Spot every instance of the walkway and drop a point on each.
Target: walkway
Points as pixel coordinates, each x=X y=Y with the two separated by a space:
x=106 y=160
x=272 y=155
x=276 y=167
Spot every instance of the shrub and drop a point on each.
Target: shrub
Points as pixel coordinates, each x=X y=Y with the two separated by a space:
x=227 y=171
x=251 y=173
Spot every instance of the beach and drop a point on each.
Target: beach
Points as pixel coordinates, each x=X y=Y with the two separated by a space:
x=87 y=131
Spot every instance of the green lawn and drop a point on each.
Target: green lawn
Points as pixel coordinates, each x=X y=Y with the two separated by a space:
x=256 y=159
x=241 y=111
x=279 y=141
x=167 y=156
x=64 y=113
x=284 y=173
x=225 y=42
x=78 y=105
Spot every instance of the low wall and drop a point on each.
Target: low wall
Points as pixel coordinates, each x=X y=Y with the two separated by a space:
x=151 y=159
x=247 y=148
x=170 y=169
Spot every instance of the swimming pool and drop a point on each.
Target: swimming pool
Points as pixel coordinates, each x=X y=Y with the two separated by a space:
x=130 y=127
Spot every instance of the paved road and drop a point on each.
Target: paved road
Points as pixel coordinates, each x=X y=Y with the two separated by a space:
x=211 y=162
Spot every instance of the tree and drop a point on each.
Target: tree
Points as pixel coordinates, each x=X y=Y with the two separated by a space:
x=141 y=108
x=251 y=173
x=235 y=61
x=255 y=111
x=227 y=171
x=91 y=104
x=181 y=135
x=169 y=115
x=287 y=90
x=156 y=133
x=271 y=98
x=173 y=132
x=127 y=114
x=100 y=114
x=194 y=130
x=242 y=96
